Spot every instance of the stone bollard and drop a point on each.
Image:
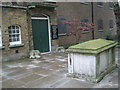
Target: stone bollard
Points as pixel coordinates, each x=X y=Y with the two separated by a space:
x=35 y=54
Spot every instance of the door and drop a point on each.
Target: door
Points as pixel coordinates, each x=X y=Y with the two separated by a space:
x=40 y=31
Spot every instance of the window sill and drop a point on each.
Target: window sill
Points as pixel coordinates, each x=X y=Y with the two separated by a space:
x=100 y=6
x=100 y=30
x=84 y=3
x=62 y=34
x=85 y=32
x=2 y=47
x=111 y=29
x=16 y=45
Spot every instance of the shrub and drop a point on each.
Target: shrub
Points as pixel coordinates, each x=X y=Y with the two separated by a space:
x=109 y=36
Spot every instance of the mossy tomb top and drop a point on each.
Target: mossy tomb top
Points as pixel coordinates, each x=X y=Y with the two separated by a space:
x=92 y=46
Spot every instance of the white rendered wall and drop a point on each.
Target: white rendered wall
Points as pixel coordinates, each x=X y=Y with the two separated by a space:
x=110 y=57
x=82 y=64
x=103 y=61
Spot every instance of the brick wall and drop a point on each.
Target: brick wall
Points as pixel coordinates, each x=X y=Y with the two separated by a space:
x=13 y=16
x=71 y=10
x=22 y=17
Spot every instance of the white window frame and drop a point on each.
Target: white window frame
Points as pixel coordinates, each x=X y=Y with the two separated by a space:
x=16 y=42
x=0 y=37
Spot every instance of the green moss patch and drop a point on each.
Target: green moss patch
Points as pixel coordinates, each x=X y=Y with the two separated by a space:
x=92 y=46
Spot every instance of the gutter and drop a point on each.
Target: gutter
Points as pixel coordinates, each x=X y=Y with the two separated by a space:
x=29 y=6
x=11 y=6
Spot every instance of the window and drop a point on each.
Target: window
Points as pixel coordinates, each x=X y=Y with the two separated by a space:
x=0 y=37
x=85 y=21
x=110 y=24
x=62 y=28
x=84 y=1
x=100 y=24
x=110 y=4
x=14 y=34
x=100 y=3
x=14 y=3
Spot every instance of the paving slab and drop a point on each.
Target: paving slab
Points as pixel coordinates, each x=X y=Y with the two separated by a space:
x=48 y=72
x=58 y=83
x=74 y=83
x=44 y=82
x=109 y=81
x=45 y=72
x=17 y=74
x=11 y=83
x=29 y=78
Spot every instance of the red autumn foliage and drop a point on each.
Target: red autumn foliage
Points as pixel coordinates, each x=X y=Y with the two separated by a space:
x=75 y=25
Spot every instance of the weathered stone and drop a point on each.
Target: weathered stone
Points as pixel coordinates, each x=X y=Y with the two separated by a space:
x=35 y=54
x=92 y=59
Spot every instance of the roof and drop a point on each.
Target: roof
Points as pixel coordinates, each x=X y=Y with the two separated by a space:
x=32 y=5
x=44 y=4
x=11 y=6
x=92 y=46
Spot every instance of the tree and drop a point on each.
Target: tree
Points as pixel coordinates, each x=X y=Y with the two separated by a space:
x=75 y=26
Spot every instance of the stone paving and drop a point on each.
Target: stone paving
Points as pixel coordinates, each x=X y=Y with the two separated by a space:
x=48 y=72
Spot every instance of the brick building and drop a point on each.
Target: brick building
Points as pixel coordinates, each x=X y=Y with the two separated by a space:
x=117 y=14
x=99 y=13
x=26 y=26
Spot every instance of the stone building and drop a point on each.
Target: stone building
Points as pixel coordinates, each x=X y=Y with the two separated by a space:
x=26 y=26
x=99 y=13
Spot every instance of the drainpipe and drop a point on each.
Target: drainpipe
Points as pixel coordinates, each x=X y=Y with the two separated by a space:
x=92 y=19
x=28 y=23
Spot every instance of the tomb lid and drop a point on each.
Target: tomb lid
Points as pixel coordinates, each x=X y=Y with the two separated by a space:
x=92 y=46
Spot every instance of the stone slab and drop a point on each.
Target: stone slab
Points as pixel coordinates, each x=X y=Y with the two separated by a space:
x=44 y=82
x=72 y=83
x=29 y=78
x=11 y=84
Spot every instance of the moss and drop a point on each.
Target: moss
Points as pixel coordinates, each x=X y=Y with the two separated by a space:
x=113 y=55
x=59 y=48
x=66 y=46
x=118 y=45
x=101 y=76
x=92 y=46
x=97 y=64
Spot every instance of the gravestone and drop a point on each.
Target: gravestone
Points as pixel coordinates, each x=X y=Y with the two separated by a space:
x=92 y=59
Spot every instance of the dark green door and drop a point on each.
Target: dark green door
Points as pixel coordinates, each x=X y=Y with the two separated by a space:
x=40 y=35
